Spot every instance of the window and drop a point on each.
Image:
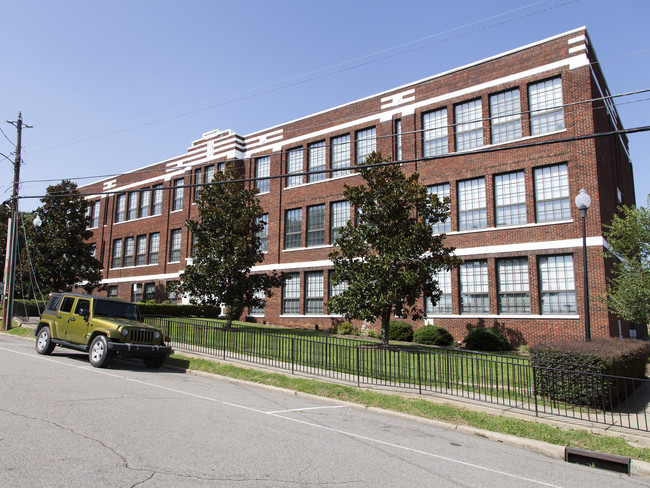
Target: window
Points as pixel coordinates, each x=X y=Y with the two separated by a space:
x=339 y=217
x=171 y=291
x=337 y=289
x=366 y=144
x=552 y=193
x=112 y=291
x=546 y=111
x=149 y=291
x=128 y=251
x=93 y=209
x=434 y=136
x=317 y=161
x=557 y=285
x=141 y=251
x=175 y=246
x=471 y=204
x=145 y=203
x=514 y=295
x=117 y=253
x=177 y=203
x=510 y=198
x=469 y=125
x=156 y=209
x=221 y=167
x=293 y=229
x=262 y=171
x=263 y=235
x=315 y=225
x=133 y=206
x=341 y=155
x=82 y=304
x=198 y=180
x=474 y=294
x=195 y=240
x=294 y=165
x=154 y=247
x=66 y=305
x=120 y=208
x=136 y=293
x=258 y=310
x=443 y=305
x=442 y=191
x=209 y=173
x=398 y=140
x=314 y=292
x=506 y=116
x=291 y=294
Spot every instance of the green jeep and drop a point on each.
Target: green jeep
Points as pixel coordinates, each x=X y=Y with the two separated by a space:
x=102 y=327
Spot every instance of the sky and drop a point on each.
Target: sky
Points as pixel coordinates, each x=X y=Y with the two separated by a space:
x=111 y=86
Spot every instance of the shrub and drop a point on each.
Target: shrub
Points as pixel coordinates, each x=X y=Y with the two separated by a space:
x=373 y=333
x=433 y=335
x=571 y=372
x=344 y=328
x=482 y=339
x=400 y=331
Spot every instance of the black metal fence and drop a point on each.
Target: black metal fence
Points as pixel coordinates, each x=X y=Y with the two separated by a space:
x=511 y=381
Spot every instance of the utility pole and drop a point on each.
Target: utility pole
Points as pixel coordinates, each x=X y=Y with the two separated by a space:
x=12 y=226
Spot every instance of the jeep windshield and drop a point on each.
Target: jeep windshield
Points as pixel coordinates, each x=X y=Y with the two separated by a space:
x=120 y=310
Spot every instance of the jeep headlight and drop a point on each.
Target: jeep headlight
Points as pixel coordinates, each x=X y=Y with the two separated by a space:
x=125 y=331
x=156 y=335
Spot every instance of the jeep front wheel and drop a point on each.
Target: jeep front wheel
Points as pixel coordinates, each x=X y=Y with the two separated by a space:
x=99 y=354
x=44 y=344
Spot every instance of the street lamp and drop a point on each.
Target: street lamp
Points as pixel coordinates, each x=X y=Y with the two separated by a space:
x=583 y=201
x=37 y=225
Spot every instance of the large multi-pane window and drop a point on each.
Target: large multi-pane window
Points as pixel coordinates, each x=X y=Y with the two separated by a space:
x=510 y=198
x=209 y=173
x=141 y=251
x=149 y=291
x=154 y=247
x=177 y=203
x=474 y=292
x=514 y=292
x=469 y=125
x=198 y=180
x=263 y=235
x=339 y=217
x=262 y=172
x=120 y=208
x=136 y=292
x=366 y=143
x=435 y=139
x=442 y=191
x=315 y=225
x=317 y=161
x=472 y=211
x=133 y=206
x=552 y=200
x=294 y=165
x=291 y=294
x=506 y=116
x=258 y=309
x=117 y=253
x=94 y=213
x=314 y=292
x=341 y=155
x=336 y=289
x=145 y=203
x=156 y=208
x=557 y=285
x=443 y=306
x=546 y=110
x=129 y=250
x=175 y=246
x=398 y=140
x=293 y=228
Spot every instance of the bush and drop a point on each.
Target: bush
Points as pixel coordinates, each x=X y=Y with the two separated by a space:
x=400 y=331
x=571 y=372
x=433 y=336
x=344 y=328
x=482 y=339
x=373 y=333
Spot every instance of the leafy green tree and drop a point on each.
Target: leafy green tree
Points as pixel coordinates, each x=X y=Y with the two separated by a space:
x=63 y=256
x=226 y=245
x=389 y=256
x=628 y=290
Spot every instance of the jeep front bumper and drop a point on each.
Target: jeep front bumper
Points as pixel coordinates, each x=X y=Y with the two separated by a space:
x=138 y=350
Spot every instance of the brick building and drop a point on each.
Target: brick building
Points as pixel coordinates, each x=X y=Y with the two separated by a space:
x=503 y=137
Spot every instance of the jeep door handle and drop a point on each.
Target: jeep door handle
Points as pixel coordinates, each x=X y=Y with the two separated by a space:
x=71 y=319
x=58 y=316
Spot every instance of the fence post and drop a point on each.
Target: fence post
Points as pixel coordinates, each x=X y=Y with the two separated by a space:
x=292 y=355
x=358 y=369
x=419 y=375
x=535 y=389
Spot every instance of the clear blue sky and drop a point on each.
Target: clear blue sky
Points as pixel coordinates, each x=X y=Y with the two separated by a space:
x=111 y=86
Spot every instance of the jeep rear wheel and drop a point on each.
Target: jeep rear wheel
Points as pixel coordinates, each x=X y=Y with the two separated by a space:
x=44 y=344
x=99 y=354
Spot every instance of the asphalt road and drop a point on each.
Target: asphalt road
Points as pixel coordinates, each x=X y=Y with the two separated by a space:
x=66 y=424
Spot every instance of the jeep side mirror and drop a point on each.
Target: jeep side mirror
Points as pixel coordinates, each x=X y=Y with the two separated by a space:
x=85 y=313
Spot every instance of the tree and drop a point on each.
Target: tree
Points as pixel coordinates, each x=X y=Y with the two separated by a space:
x=390 y=255
x=628 y=290
x=226 y=244
x=63 y=255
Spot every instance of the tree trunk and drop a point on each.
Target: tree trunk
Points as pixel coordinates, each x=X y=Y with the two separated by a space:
x=385 y=323
x=228 y=317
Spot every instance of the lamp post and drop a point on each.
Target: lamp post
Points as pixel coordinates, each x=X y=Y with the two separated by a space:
x=583 y=201
x=37 y=225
